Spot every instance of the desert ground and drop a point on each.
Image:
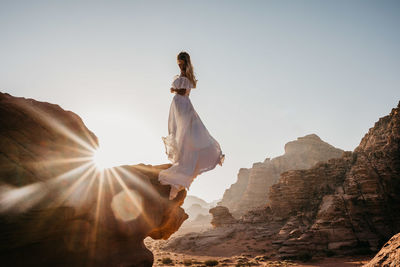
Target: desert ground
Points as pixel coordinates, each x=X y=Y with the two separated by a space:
x=178 y=259
x=231 y=255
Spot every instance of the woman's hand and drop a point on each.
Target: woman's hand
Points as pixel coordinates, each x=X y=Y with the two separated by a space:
x=179 y=91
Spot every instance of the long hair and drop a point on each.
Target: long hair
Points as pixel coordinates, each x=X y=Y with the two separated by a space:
x=188 y=67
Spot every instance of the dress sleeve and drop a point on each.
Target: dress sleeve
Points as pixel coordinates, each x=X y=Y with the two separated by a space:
x=181 y=83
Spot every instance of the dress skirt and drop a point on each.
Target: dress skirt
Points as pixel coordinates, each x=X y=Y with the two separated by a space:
x=189 y=146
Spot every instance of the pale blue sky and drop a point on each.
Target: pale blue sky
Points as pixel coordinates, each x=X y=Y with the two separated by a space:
x=268 y=71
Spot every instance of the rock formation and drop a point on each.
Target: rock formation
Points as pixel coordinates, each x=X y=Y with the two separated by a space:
x=190 y=200
x=58 y=209
x=346 y=205
x=195 y=210
x=389 y=255
x=252 y=187
x=234 y=194
x=221 y=216
x=205 y=219
x=195 y=206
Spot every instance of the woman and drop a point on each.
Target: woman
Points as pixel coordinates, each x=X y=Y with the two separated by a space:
x=188 y=145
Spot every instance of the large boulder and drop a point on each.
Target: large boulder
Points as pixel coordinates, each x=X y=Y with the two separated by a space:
x=58 y=209
x=221 y=216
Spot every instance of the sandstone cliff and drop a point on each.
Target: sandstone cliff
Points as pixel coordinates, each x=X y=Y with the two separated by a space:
x=345 y=205
x=234 y=194
x=221 y=216
x=252 y=187
x=58 y=209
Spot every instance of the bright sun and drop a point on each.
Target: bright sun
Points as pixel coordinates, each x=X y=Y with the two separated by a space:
x=103 y=159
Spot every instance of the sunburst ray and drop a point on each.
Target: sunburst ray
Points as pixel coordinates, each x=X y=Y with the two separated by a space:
x=131 y=197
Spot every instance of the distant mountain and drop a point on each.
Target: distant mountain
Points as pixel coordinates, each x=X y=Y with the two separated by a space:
x=195 y=206
x=214 y=203
x=195 y=210
x=252 y=186
x=190 y=200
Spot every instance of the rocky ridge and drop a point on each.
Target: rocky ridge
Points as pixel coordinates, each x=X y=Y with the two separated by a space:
x=345 y=205
x=252 y=187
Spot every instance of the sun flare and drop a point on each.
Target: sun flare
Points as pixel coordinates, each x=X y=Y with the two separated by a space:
x=103 y=159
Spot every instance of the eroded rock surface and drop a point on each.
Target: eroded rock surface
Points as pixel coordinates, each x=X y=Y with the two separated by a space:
x=58 y=209
x=347 y=205
x=252 y=187
x=234 y=194
x=221 y=216
x=389 y=255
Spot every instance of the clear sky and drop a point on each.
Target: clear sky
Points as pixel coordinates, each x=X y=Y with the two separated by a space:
x=268 y=71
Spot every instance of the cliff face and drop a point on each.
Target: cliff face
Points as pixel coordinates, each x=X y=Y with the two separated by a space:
x=345 y=205
x=252 y=187
x=58 y=209
x=234 y=194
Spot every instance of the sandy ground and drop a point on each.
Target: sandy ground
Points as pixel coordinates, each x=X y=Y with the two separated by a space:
x=179 y=259
x=234 y=254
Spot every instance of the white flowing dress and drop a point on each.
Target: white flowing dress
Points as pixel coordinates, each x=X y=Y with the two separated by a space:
x=189 y=145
